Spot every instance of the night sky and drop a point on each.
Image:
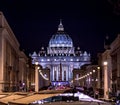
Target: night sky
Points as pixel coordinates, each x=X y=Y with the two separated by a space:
x=86 y=21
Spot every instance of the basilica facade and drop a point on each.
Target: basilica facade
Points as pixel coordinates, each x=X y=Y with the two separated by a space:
x=61 y=57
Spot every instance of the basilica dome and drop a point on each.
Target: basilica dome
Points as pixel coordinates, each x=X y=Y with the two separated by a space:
x=60 y=39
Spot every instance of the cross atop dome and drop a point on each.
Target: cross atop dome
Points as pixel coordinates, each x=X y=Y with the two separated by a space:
x=60 y=26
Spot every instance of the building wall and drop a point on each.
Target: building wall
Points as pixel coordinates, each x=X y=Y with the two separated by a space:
x=9 y=57
x=68 y=63
x=23 y=70
x=30 y=75
x=61 y=65
x=115 y=54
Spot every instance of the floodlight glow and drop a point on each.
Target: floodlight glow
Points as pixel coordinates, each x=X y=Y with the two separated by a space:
x=36 y=63
x=105 y=63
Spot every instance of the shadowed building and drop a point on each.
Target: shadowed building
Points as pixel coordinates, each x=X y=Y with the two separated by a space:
x=115 y=56
x=12 y=60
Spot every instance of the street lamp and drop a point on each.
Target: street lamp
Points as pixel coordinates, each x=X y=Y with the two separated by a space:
x=105 y=63
x=37 y=76
x=106 y=94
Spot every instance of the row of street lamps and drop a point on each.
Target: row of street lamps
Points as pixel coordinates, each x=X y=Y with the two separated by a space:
x=106 y=79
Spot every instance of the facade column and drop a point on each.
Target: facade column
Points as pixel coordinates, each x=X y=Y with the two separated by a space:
x=1 y=61
x=63 y=73
x=106 y=90
x=118 y=73
x=57 y=71
x=67 y=73
x=36 y=77
x=53 y=74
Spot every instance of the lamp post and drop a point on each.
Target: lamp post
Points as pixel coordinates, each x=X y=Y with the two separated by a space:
x=36 y=77
x=106 y=90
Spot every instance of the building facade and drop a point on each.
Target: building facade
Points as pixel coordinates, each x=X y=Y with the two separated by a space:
x=104 y=62
x=109 y=61
x=12 y=60
x=115 y=56
x=61 y=57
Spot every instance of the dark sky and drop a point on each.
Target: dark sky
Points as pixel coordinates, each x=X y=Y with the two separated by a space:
x=86 y=21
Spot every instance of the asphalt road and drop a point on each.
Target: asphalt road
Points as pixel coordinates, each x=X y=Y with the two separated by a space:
x=74 y=103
